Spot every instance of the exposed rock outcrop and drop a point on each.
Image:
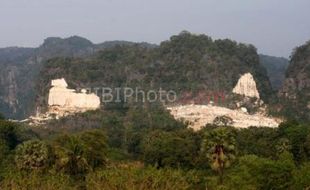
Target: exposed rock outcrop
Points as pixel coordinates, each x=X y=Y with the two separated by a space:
x=68 y=99
x=61 y=99
x=200 y=115
x=63 y=102
x=246 y=86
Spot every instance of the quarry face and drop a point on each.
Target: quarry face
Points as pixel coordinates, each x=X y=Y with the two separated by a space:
x=67 y=99
x=63 y=101
x=200 y=115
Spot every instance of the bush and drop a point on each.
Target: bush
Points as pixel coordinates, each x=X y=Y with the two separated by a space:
x=33 y=155
x=145 y=179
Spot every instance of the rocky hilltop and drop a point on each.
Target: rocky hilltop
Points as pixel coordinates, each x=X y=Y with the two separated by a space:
x=295 y=93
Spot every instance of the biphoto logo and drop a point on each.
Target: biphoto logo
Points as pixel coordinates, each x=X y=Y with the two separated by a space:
x=127 y=94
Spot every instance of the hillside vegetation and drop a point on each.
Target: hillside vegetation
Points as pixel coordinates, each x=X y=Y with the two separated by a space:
x=20 y=68
x=189 y=64
x=295 y=94
x=147 y=149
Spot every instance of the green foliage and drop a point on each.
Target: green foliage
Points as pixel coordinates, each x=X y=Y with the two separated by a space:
x=33 y=155
x=34 y=180
x=154 y=152
x=257 y=140
x=125 y=178
x=302 y=177
x=148 y=178
x=173 y=149
x=252 y=172
x=10 y=134
x=112 y=123
x=277 y=175
x=77 y=154
x=297 y=134
x=95 y=142
x=70 y=157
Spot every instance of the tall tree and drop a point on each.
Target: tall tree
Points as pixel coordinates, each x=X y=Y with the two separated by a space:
x=70 y=157
x=219 y=146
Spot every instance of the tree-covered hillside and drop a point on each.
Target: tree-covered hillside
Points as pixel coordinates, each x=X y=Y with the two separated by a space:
x=187 y=63
x=20 y=68
x=295 y=93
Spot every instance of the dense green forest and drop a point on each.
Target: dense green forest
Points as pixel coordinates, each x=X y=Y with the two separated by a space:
x=141 y=148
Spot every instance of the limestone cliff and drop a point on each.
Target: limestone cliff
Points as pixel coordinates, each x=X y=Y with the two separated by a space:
x=295 y=93
x=63 y=101
x=246 y=86
x=69 y=100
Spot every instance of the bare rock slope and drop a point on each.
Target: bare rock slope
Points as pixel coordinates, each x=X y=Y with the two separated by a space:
x=200 y=115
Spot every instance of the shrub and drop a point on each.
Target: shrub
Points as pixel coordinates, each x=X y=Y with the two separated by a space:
x=33 y=155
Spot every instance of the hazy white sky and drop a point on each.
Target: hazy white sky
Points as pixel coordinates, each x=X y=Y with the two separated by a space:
x=275 y=27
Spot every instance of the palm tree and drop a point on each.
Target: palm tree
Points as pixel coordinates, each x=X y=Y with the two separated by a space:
x=219 y=146
x=76 y=154
x=95 y=143
x=283 y=145
x=70 y=156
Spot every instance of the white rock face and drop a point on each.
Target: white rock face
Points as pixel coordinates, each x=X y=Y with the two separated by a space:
x=64 y=102
x=68 y=99
x=200 y=115
x=246 y=86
